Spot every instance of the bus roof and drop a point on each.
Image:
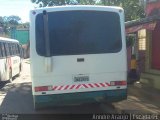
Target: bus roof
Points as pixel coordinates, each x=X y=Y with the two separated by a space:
x=78 y=7
x=8 y=39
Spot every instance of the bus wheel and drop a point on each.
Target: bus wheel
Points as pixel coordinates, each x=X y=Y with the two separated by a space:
x=36 y=105
x=19 y=71
x=10 y=75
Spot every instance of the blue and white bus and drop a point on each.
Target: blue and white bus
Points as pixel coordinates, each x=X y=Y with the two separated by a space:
x=78 y=55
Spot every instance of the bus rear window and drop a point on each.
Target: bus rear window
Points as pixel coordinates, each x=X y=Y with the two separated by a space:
x=79 y=32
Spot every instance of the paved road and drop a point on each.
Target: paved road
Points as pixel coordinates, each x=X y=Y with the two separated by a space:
x=16 y=97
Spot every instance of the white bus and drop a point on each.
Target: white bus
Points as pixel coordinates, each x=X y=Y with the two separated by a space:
x=10 y=58
x=78 y=55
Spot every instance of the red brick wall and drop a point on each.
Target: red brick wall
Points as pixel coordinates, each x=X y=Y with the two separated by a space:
x=153 y=8
x=155 y=62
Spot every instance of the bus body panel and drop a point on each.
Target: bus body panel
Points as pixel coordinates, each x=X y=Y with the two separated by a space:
x=101 y=78
x=103 y=96
x=101 y=69
x=15 y=62
x=63 y=72
x=92 y=64
x=3 y=73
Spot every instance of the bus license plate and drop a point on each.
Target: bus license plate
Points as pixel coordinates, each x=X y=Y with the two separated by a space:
x=81 y=78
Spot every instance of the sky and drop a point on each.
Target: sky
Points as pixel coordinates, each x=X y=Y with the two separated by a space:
x=16 y=7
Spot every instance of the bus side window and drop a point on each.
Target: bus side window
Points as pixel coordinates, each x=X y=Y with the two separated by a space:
x=0 y=50
x=21 y=51
x=3 y=50
x=10 y=48
x=13 y=49
x=18 y=49
x=7 y=49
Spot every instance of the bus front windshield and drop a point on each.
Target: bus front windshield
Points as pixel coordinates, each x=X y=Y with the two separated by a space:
x=79 y=32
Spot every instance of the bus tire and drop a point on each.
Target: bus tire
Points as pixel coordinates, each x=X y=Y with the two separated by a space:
x=0 y=77
x=35 y=105
x=10 y=75
x=20 y=69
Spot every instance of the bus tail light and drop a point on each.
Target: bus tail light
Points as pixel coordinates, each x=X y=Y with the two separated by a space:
x=43 y=88
x=118 y=83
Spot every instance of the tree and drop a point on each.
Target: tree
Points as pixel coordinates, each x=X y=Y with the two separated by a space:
x=86 y=2
x=131 y=7
x=9 y=22
x=23 y=25
x=44 y=3
x=12 y=20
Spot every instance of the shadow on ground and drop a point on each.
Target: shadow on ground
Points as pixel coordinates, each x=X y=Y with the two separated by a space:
x=18 y=98
x=137 y=102
x=2 y=84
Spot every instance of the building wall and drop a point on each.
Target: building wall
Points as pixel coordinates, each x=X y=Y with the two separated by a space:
x=155 y=61
x=21 y=35
x=151 y=75
x=152 y=56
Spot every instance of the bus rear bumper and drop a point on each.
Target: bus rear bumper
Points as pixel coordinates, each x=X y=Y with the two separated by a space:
x=42 y=101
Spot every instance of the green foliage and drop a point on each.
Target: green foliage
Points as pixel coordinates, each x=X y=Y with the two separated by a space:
x=130 y=40
x=9 y=22
x=131 y=7
x=44 y=3
x=23 y=26
x=86 y=2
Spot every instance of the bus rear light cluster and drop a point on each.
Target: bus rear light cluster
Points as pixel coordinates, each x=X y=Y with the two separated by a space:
x=118 y=83
x=43 y=88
